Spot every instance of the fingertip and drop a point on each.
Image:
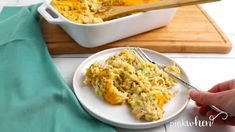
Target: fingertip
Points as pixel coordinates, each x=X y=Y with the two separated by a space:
x=204 y=98
x=193 y=93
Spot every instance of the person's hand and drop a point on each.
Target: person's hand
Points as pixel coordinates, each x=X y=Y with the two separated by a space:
x=221 y=95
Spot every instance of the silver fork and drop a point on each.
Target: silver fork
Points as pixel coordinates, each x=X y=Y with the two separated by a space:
x=144 y=56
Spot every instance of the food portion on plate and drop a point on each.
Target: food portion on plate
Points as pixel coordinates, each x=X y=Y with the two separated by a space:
x=89 y=11
x=125 y=78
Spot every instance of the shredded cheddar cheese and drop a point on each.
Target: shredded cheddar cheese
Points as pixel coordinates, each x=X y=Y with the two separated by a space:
x=85 y=11
x=127 y=78
x=136 y=2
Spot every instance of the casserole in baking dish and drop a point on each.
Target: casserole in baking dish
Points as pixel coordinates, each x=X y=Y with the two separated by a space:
x=94 y=35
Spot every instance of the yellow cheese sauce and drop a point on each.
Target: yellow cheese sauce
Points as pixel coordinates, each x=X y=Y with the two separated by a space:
x=85 y=11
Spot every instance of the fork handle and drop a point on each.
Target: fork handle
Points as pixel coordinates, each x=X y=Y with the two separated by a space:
x=226 y=115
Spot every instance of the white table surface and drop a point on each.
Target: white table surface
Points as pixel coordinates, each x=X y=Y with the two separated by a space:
x=204 y=70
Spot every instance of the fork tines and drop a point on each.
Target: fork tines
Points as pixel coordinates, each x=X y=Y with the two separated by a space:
x=143 y=55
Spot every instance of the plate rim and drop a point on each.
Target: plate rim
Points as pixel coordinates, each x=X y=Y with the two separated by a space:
x=141 y=125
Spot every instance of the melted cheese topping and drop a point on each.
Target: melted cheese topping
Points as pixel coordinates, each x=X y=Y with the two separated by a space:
x=85 y=11
x=136 y=2
x=127 y=78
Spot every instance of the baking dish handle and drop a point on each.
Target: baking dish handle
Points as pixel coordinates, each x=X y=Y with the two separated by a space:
x=44 y=11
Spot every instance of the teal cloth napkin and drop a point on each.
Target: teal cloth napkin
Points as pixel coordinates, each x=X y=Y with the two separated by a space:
x=33 y=95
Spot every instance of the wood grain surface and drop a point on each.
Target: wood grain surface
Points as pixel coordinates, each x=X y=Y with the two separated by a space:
x=191 y=30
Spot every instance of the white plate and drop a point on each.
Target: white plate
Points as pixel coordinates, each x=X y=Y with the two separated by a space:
x=120 y=115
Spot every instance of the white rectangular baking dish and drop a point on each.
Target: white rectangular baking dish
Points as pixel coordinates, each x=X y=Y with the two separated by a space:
x=93 y=35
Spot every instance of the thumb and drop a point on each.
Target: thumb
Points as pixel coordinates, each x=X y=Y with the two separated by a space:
x=205 y=98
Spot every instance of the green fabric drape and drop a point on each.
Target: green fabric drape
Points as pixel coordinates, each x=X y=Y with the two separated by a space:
x=33 y=95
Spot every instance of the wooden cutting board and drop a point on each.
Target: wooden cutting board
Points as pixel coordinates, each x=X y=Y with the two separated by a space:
x=191 y=30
